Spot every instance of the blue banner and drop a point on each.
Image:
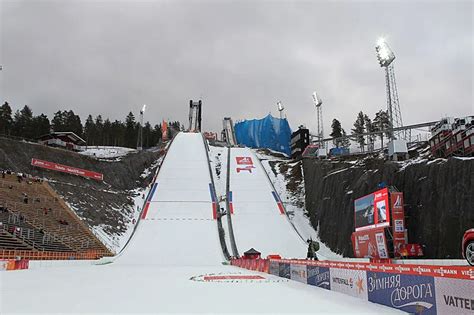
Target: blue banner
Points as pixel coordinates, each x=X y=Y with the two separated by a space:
x=269 y=132
x=319 y=276
x=274 y=268
x=284 y=271
x=409 y=293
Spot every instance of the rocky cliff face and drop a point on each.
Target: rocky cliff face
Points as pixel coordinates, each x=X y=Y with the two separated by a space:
x=439 y=199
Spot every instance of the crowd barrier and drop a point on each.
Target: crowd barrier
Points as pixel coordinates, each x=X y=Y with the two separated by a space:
x=14 y=264
x=46 y=255
x=420 y=289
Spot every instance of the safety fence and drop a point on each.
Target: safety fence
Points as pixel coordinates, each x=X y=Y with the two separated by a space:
x=14 y=264
x=48 y=255
x=425 y=289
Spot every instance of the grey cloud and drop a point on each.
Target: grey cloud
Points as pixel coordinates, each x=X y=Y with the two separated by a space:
x=240 y=57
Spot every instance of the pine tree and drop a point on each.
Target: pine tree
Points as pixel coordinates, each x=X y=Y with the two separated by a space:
x=118 y=133
x=59 y=121
x=41 y=124
x=359 y=129
x=345 y=142
x=99 y=130
x=369 y=127
x=89 y=130
x=72 y=122
x=106 y=132
x=381 y=123
x=336 y=133
x=131 y=131
x=6 y=120
x=23 y=123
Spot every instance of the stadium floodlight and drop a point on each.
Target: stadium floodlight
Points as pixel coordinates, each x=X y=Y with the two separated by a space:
x=280 y=109
x=280 y=106
x=385 y=55
x=317 y=100
x=319 y=116
x=140 y=131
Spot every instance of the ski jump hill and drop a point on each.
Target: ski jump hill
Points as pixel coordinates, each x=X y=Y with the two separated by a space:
x=177 y=226
x=174 y=261
x=258 y=216
x=179 y=219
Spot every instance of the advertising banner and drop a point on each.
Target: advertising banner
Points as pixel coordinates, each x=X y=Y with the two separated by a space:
x=298 y=272
x=351 y=282
x=372 y=210
x=398 y=215
x=66 y=169
x=244 y=160
x=454 y=296
x=284 y=270
x=370 y=243
x=244 y=163
x=381 y=244
x=409 y=293
x=274 y=268
x=319 y=276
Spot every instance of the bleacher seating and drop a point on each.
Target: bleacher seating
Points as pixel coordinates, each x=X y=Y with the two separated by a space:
x=16 y=225
x=42 y=220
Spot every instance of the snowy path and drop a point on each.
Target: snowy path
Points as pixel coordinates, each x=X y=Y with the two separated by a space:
x=164 y=267
x=257 y=220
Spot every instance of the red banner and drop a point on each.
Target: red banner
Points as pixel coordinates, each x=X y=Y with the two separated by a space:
x=66 y=169
x=370 y=243
x=456 y=272
x=398 y=219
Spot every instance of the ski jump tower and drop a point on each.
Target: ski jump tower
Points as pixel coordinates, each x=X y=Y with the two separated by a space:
x=195 y=116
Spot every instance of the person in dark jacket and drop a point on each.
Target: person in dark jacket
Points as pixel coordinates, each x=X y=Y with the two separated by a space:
x=313 y=247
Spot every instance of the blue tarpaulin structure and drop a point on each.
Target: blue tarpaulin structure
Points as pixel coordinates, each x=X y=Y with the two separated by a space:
x=269 y=132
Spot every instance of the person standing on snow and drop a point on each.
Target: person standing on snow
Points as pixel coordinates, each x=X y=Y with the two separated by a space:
x=313 y=247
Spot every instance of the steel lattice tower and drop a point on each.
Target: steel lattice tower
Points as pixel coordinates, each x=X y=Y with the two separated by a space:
x=319 y=115
x=386 y=56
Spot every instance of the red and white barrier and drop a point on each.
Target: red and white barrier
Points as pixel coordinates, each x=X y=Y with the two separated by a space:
x=413 y=288
x=14 y=264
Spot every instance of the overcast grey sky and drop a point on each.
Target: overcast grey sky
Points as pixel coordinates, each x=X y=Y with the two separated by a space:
x=239 y=57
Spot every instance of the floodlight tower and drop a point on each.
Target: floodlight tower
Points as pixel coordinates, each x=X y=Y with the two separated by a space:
x=280 y=109
x=140 y=131
x=319 y=113
x=385 y=57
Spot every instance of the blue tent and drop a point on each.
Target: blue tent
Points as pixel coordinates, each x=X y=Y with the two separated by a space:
x=269 y=132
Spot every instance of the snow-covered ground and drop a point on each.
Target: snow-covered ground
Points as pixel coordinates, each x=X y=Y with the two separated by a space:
x=164 y=267
x=116 y=242
x=106 y=152
x=294 y=202
x=147 y=288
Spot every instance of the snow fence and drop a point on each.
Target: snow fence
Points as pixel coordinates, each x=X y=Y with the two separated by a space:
x=420 y=289
x=269 y=132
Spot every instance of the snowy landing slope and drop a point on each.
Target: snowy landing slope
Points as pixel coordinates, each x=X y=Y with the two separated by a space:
x=178 y=228
x=257 y=220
